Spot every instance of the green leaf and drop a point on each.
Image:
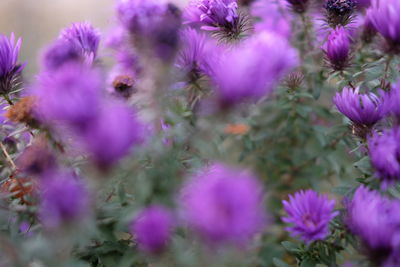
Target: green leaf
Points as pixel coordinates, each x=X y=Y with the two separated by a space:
x=280 y=263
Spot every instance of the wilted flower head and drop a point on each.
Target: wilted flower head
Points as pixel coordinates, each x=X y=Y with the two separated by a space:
x=384 y=151
x=309 y=215
x=83 y=36
x=214 y=15
x=384 y=15
x=252 y=70
x=64 y=198
x=223 y=204
x=152 y=228
x=361 y=108
x=375 y=219
x=9 y=67
x=337 y=48
x=70 y=95
x=339 y=12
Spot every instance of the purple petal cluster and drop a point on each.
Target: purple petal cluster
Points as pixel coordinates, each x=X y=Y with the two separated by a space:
x=361 y=108
x=9 y=67
x=337 y=48
x=64 y=199
x=245 y=73
x=384 y=15
x=224 y=204
x=392 y=100
x=309 y=215
x=375 y=219
x=152 y=228
x=384 y=151
x=212 y=15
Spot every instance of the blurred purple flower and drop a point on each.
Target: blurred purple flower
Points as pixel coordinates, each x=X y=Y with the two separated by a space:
x=392 y=100
x=362 y=109
x=224 y=204
x=83 y=36
x=298 y=6
x=384 y=15
x=70 y=95
x=213 y=15
x=60 y=53
x=152 y=228
x=9 y=67
x=384 y=151
x=245 y=74
x=363 y=3
x=376 y=220
x=337 y=48
x=309 y=215
x=63 y=199
x=118 y=127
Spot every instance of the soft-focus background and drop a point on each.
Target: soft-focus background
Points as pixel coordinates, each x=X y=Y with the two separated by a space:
x=39 y=21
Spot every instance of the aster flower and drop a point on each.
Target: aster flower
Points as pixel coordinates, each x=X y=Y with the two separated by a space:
x=309 y=215
x=152 y=228
x=245 y=74
x=118 y=127
x=384 y=15
x=339 y=12
x=214 y=15
x=392 y=100
x=384 y=153
x=362 y=109
x=9 y=67
x=64 y=199
x=60 y=53
x=70 y=95
x=337 y=48
x=83 y=36
x=375 y=219
x=223 y=204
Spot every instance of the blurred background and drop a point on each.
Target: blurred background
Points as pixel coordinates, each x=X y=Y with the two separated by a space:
x=38 y=22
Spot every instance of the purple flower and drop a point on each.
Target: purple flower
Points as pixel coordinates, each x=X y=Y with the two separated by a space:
x=83 y=36
x=152 y=228
x=337 y=48
x=339 y=12
x=298 y=6
x=198 y=53
x=224 y=204
x=64 y=198
x=70 y=95
x=384 y=153
x=392 y=100
x=60 y=53
x=245 y=74
x=9 y=67
x=376 y=220
x=213 y=15
x=384 y=15
x=118 y=127
x=309 y=215
x=362 y=109
x=363 y=3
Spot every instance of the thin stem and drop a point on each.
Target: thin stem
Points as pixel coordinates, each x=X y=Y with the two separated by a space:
x=8 y=157
x=8 y=99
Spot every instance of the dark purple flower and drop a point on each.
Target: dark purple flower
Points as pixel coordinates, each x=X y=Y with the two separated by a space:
x=298 y=6
x=361 y=108
x=224 y=204
x=213 y=15
x=384 y=15
x=60 y=53
x=363 y=3
x=152 y=228
x=384 y=151
x=9 y=67
x=309 y=215
x=375 y=219
x=117 y=126
x=251 y=70
x=64 y=198
x=70 y=95
x=83 y=36
x=337 y=48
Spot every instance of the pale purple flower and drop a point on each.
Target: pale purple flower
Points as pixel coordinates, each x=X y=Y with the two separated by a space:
x=384 y=15
x=64 y=198
x=9 y=67
x=375 y=219
x=152 y=228
x=361 y=108
x=309 y=215
x=223 y=204
x=337 y=48
x=384 y=151
x=252 y=70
